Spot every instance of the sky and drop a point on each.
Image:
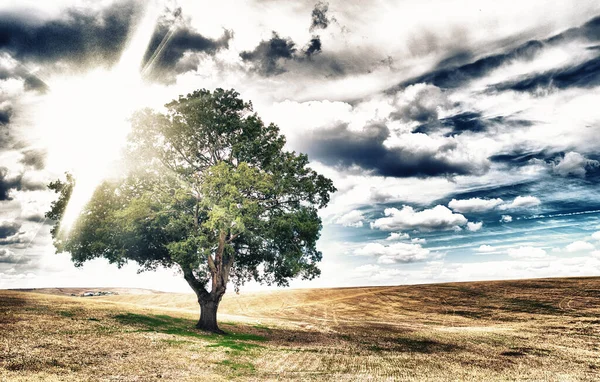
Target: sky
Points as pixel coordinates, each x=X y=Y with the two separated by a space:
x=462 y=136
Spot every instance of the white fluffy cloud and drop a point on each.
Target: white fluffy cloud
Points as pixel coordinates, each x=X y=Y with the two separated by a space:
x=574 y=164
x=522 y=202
x=506 y=219
x=438 y=218
x=474 y=227
x=396 y=253
x=526 y=252
x=397 y=236
x=596 y=235
x=420 y=103
x=484 y=248
x=474 y=205
x=351 y=219
x=579 y=246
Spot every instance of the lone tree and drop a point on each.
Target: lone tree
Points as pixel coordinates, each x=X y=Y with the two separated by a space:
x=207 y=188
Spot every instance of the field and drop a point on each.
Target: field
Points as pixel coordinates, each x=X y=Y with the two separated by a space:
x=535 y=330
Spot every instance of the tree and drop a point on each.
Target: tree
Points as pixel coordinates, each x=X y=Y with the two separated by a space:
x=207 y=188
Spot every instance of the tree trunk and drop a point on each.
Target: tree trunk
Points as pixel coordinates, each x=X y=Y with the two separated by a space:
x=208 y=316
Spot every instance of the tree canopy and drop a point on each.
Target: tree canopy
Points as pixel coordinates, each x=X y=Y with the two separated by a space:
x=206 y=187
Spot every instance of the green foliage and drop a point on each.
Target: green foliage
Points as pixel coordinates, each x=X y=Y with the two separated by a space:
x=208 y=188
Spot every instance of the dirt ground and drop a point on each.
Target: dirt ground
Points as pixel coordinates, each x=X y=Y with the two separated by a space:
x=530 y=330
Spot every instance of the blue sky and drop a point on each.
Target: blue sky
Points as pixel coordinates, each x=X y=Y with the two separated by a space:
x=462 y=135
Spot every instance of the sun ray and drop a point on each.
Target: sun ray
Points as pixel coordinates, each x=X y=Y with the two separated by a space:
x=85 y=118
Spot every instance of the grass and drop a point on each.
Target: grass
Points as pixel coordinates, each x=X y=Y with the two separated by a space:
x=542 y=330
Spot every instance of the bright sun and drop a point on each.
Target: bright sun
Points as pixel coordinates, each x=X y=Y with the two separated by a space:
x=83 y=120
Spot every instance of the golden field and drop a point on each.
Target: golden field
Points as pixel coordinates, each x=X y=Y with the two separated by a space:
x=529 y=330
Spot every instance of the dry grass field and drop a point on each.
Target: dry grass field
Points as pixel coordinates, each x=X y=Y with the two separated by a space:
x=534 y=330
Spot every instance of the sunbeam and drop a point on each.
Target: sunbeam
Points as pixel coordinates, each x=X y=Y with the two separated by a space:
x=84 y=119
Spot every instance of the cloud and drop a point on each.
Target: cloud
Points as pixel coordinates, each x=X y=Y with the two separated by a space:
x=9 y=228
x=418 y=240
x=474 y=205
x=9 y=257
x=396 y=253
x=584 y=75
x=484 y=248
x=313 y=47
x=455 y=76
x=596 y=235
x=438 y=218
x=374 y=272
x=474 y=227
x=406 y=155
x=319 y=19
x=174 y=46
x=16 y=183
x=6 y=113
x=574 y=164
x=461 y=69
x=269 y=55
x=403 y=236
x=420 y=102
x=34 y=158
x=526 y=252
x=506 y=219
x=522 y=202
x=351 y=219
x=579 y=246
x=79 y=37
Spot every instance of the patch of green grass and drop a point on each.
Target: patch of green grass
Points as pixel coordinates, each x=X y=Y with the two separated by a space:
x=183 y=328
x=238 y=366
x=263 y=327
x=66 y=313
x=161 y=324
x=246 y=337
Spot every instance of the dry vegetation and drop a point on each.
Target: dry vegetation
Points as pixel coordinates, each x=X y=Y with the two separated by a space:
x=546 y=329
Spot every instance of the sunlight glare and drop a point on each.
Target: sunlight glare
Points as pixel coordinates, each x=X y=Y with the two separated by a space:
x=84 y=118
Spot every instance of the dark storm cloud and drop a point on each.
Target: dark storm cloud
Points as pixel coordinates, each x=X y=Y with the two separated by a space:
x=319 y=16
x=8 y=229
x=78 y=37
x=456 y=124
x=279 y=55
x=585 y=75
x=589 y=31
x=345 y=149
x=469 y=121
x=454 y=77
x=314 y=46
x=5 y=115
x=15 y=183
x=521 y=156
x=565 y=164
x=171 y=41
x=267 y=54
x=458 y=68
